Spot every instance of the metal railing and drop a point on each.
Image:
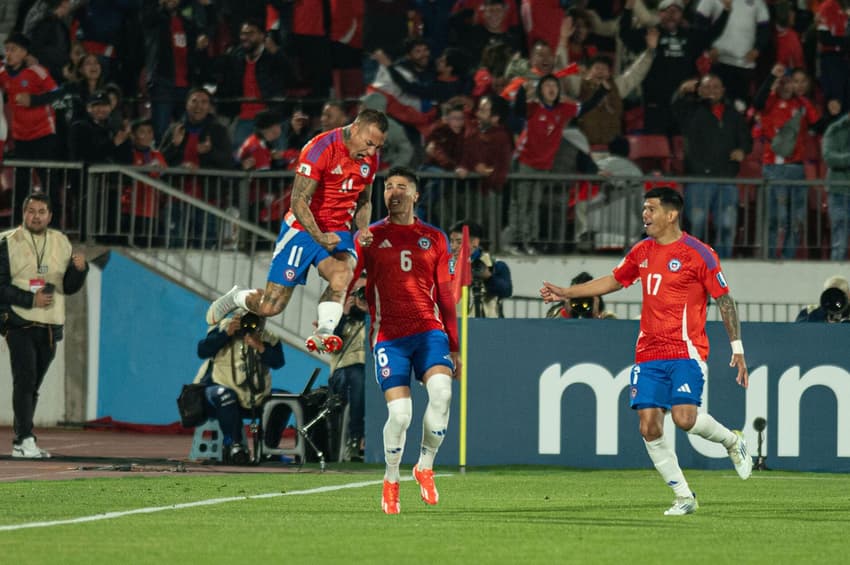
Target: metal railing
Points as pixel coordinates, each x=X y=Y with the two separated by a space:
x=212 y=229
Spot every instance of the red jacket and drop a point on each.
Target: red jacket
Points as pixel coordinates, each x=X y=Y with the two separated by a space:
x=778 y=111
x=492 y=148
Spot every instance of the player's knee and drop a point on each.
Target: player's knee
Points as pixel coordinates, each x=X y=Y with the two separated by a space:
x=440 y=392
x=651 y=431
x=399 y=413
x=684 y=421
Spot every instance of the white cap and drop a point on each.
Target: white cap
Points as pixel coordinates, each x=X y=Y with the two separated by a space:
x=667 y=3
x=839 y=282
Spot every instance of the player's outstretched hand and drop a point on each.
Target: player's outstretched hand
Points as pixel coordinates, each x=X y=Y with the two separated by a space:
x=552 y=293
x=365 y=237
x=743 y=377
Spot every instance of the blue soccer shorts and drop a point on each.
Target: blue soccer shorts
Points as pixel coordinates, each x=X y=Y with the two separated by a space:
x=295 y=251
x=662 y=384
x=395 y=358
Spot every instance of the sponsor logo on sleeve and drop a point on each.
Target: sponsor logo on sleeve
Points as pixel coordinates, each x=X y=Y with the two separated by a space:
x=304 y=169
x=721 y=279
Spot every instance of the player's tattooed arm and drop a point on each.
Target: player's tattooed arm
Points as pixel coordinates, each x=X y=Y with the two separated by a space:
x=302 y=192
x=363 y=213
x=729 y=315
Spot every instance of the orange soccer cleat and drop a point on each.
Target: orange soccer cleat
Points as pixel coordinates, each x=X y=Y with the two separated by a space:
x=389 y=498
x=427 y=488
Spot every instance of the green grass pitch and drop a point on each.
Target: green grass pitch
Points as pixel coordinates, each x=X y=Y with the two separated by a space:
x=487 y=515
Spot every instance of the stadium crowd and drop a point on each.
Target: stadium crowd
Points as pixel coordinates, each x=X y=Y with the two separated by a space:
x=719 y=89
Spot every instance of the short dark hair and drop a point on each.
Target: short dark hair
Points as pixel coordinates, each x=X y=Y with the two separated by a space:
x=336 y=103
x=412 y=42
x=604 y=59
x=141 y=122
x=669 y=198
x=200 y=89
x=370 y=116
x=619 y=146
x=254 y=22
x=406 y=172
x=457 y=60
x=38 y=197
x=475 y=229
x=499 y=107
x=18 y=39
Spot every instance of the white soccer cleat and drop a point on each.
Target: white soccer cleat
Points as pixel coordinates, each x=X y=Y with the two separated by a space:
x=28 y=449
x=222 y=306
x=683 y=505
x=740 y=456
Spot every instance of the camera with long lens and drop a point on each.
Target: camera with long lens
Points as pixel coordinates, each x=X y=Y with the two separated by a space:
x=582 y=307
x=249 y=324
x=834 y=301
x=479 y=269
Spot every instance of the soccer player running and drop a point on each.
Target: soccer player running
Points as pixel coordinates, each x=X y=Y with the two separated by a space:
x=333 y=185
x=414 y=327
x=676 y=271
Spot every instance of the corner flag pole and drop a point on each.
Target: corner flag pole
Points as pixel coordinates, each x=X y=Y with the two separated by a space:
x=464 y=341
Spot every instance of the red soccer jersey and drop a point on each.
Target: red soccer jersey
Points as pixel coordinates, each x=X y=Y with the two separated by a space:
x=341 y=179
x=347 y=22
x=541 y=137
x=255 y=147
x=31 y=122
x=180 y=52
x=830 y=17
x=677 y=280
x=408 y=284
x=542 y=19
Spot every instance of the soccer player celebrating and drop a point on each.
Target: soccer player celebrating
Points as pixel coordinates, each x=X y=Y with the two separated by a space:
x=408 y=289
x=676 y=271
x=333 y=185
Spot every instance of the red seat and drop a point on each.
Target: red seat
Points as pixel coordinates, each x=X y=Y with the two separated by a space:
x=650 y=152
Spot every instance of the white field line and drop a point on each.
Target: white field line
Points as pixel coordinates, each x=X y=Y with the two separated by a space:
x=209 y=502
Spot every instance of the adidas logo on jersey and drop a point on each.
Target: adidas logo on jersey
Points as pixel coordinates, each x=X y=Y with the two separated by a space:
x=384 y=244
x=337 y=170
x=644 y=264
x=684 y=388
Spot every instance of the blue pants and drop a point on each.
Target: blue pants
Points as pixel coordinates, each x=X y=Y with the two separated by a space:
x=721 y=202
x=839 y=209
x=786 y=208
x=349 y=382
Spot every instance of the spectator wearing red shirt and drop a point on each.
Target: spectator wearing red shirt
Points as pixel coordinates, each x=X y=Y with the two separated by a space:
x=492 y=28
x=312 y=46
x=541 y=19
x=789 y=49
x=346 y=36
x=139 y=202
x=28 y=91
x=174 y=55
x=781 y=107
x=487 y=151
x=548 y=114
x=443 y=154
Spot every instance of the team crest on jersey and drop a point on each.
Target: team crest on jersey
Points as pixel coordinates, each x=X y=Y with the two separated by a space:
x=721 y=279
x=304 y=169
x=674 y=265
x=633 y=391
x=424 y=243
x=364 y=170
x=289 y=274
x=385 y=372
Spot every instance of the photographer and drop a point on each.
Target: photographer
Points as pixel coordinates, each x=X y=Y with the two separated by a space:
x=491 y=279
x=591 y=307
x=834 y=303
x=239 y=354
x=348 y=367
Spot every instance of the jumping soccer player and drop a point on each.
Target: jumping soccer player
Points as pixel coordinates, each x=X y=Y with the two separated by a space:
x=333 y=185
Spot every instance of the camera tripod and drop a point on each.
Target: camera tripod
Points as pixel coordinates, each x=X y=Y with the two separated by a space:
x=332 y=403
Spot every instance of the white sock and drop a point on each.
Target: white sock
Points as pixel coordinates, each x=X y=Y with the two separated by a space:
x=667 y=464
x=329 y=316
x=712 y=430
x=436 y=419
x=399 y=412
x=241 y=298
